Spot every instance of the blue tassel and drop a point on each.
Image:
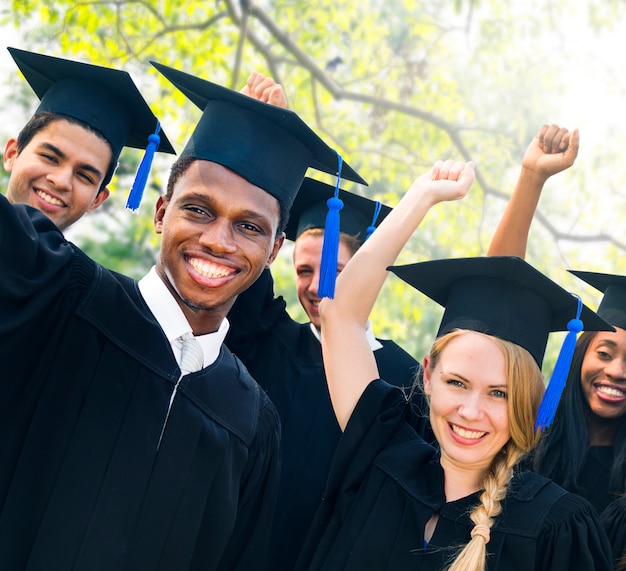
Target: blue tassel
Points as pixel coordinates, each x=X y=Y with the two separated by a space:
x=330 y=247
x=552 y=396
x=372 y=226
x=141 y=178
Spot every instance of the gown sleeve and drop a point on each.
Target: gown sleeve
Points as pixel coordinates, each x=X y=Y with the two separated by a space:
x=34 y=263
x=614 y=520
x=376 y=417
x=573 y=538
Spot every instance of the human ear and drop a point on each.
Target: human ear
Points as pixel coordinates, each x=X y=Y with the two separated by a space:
x=159 y=214
x=278 y=242
x=102 y=195
x=10 y=153
x=426 y=378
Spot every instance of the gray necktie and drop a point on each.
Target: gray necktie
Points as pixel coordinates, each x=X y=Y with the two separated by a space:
x=191 y=360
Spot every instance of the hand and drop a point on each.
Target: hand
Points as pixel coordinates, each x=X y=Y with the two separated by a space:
x=449 y=180
x=265 y=89
x=553 y=150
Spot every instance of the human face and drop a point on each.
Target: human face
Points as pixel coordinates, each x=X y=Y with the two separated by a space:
x=603 y=374
x=218 y=234
x=307 y=255
x=59 y=171
x=468 y=402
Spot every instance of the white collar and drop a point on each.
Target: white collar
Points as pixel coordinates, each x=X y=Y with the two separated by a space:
x=374 y=343
x=173 y=321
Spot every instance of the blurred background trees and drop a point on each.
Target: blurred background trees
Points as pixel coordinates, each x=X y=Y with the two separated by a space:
x=393 y=85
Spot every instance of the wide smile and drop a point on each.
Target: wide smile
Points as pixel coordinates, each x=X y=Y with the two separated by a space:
x=610 y=393
x=209 y=273
x=465 y=435
x=50 y=200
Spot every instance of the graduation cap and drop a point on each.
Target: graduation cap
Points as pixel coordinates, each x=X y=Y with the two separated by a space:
x=269 y=146
x=506 y=297
x=320 y=205
x=613 y=304
x=105 y=99
x=359 y=215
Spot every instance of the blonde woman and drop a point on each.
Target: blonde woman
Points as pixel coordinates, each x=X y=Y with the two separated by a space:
x=394 y=502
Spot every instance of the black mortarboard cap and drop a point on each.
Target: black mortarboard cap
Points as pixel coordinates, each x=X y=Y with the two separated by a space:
x=309 y=210
x=503 y=296
x=269 y=146
x=105 y=99
x=613 y=304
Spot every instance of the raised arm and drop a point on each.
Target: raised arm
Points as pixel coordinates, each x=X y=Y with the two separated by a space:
x=348 y=360
x=553 y=150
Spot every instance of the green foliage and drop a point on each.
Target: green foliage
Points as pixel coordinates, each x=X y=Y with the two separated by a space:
x=394 y=85
x=116 y=237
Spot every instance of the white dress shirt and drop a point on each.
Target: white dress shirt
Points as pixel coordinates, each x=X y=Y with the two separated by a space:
x=374 y=343
x=173 y=321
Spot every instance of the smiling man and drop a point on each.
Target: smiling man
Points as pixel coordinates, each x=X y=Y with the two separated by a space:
x=64 y=158
x=135 y=438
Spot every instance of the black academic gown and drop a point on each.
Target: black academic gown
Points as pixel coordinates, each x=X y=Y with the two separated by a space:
x=386 y=483
x=614 y=520
x=285 y=357
x=594 y=477
x=87 y=375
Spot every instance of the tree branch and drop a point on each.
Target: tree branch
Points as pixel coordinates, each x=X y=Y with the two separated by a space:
x=319 y=76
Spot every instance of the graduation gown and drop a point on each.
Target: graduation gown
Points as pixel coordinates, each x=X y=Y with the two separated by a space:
x=285 y=358
x=86 y=384
x=386 y=483
x=594 y=477
x=614 y=520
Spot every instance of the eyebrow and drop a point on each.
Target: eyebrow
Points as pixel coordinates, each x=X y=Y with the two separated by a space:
x=605 y=342
x=461 y=377
x=60 y=153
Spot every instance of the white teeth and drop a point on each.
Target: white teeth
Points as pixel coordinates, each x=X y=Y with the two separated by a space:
x=469 y=434
x=50 y=199
x=611 y=392
x=210 y=270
